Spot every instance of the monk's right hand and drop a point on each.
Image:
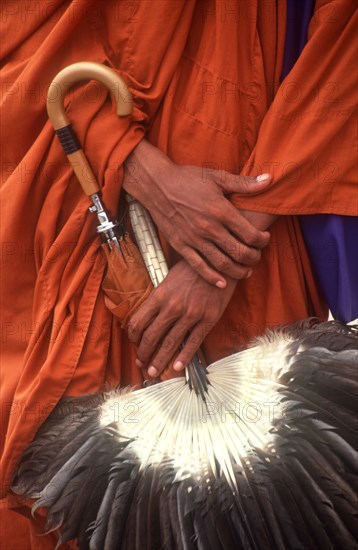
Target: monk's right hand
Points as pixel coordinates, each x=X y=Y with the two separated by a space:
x=190 y=208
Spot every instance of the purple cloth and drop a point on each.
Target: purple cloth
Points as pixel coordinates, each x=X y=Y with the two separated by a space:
x=299 y=13
x=331 y=240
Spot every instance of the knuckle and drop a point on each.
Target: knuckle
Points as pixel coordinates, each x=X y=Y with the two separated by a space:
x=247 y=256
x=176 y=307
x=244 y=184
x=205 y=226
x=182 y=328
x=216 y=232
x=208 y=249
x=195 y=263
x=224 y=261
x=175 y=236
x=147 y=340
x=239 y=268
x=144 y=357
x=158 y=294
x=195 y=342
x=236 y=250
x=252 y=238
x=240 y=272
x=215 y=210
x=169 y=344
x=132 y=332
x=192 y=316
x=254 y=256
x=191 y=347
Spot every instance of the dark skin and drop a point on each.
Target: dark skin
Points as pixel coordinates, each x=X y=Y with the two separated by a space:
x=219 y=245
x=163 y=322
x=189 y=206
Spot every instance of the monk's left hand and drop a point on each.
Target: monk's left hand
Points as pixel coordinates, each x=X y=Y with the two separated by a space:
x=183 y=306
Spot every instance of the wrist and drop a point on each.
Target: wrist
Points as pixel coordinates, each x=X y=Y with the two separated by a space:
x=143 y=169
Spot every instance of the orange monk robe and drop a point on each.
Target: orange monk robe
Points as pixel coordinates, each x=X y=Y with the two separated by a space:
x=205 y=76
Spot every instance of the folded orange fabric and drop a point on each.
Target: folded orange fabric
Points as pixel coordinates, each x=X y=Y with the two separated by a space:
x=126 y=284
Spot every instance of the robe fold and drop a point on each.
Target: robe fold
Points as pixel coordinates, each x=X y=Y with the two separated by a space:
x=205 y=77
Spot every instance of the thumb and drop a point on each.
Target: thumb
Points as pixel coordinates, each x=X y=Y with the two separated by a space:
x=234 y=183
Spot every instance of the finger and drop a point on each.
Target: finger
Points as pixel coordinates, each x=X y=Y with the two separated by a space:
x=202 y=268
x=153 y=335
x=238 y=251
x=191 y=347
x=245 y=231
x=168 y=348
x=234 y=183
x=225 y=264
x=142 y=319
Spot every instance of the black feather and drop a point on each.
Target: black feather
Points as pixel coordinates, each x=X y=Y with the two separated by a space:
x=117 y=531
x=298 y=491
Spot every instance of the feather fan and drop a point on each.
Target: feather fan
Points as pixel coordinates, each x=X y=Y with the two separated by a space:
x=269 y=460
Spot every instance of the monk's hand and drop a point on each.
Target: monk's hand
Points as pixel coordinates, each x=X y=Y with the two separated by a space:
x=182 y=307
x=189 y=206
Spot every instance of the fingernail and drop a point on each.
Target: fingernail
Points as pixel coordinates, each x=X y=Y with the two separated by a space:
x=178 y=365
x=221 y=284
x=152 y=371
x=263 y=178
x=249 y=273
x=139 y=363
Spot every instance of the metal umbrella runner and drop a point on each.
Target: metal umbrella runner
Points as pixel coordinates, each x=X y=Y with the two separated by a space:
x=262 y=454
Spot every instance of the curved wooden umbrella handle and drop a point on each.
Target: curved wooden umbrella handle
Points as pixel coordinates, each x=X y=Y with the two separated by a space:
x=60 y=85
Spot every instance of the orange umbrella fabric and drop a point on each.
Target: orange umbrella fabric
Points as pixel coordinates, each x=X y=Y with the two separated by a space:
x=126 y=284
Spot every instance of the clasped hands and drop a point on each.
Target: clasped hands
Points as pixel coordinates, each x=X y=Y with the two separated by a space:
x=216 y=241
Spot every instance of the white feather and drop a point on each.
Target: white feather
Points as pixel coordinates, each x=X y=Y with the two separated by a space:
x=170 y=420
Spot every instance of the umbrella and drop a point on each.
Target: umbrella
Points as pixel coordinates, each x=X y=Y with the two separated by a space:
x=126 y=284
